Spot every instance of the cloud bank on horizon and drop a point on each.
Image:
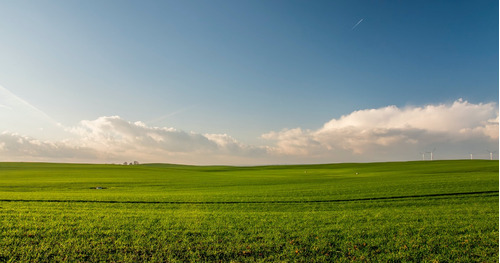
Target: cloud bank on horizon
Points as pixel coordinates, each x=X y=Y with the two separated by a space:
x=384 y=134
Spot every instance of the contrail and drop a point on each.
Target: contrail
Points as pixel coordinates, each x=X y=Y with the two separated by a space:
x=8 y=96
x=359 y=22
x=170 y=114
x=5 y=107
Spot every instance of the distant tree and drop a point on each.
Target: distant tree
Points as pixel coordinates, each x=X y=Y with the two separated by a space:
x=136 y=162
x=125 y=163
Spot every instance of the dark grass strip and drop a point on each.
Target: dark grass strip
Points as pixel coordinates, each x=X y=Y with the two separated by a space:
x=488 y=193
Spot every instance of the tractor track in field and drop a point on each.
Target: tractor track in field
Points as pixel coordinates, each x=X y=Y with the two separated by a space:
x=484 y=193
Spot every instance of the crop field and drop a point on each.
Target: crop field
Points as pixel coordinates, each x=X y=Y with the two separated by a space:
x=426 y=211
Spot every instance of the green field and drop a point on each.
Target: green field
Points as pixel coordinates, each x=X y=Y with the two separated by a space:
x=439 y=211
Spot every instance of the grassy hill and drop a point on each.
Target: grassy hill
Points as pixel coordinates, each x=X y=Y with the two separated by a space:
x=404 y=211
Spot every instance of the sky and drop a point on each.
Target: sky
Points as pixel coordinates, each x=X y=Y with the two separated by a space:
x=248 y=82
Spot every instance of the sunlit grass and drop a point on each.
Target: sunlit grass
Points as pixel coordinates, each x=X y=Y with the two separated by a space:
x=207 y=225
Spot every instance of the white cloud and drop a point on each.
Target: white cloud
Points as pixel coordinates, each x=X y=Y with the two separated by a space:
x=394 y=133
x=113 y=133
x=118 y=138
x=488 y=128
x=384 y=134
x=15 y=147
x=438 y=118
x=293 y=141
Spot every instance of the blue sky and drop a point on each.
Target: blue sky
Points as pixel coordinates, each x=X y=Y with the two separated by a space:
x=242 y=68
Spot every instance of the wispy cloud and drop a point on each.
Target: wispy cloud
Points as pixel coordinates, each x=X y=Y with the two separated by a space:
x=359 y=22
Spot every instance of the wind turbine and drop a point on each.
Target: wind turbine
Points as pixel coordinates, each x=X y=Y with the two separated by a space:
x=432 y=152
x=470 y=156
x=491 y=154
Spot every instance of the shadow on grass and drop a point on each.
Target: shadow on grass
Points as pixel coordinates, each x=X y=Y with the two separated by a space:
x=487 y=193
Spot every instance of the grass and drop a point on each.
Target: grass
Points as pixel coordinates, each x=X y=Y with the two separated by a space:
x=440 y=211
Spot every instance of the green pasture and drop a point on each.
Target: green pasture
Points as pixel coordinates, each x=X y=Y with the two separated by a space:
x=439 y=211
